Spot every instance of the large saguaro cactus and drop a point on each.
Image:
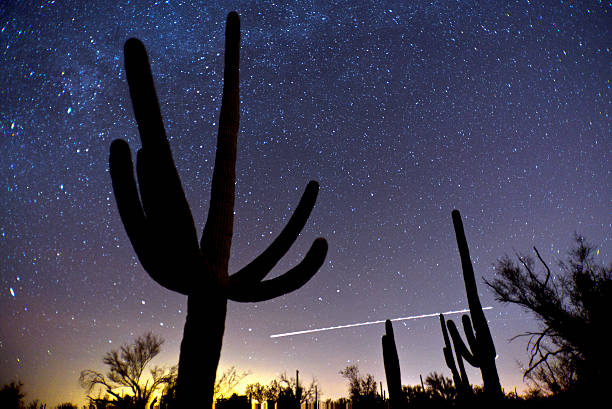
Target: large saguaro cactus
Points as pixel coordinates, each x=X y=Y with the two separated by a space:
x=160 y=226
x=482 y=353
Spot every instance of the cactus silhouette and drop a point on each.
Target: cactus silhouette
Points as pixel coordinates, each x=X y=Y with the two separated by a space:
x=460 y=378
x=482 y=354
x=392 y=367
x=160 y=226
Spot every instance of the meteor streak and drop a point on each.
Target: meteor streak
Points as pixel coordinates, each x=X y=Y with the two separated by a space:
x=361 y=324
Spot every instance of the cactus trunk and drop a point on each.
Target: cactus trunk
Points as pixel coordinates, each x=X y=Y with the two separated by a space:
x=392 y=367
x=200 y=350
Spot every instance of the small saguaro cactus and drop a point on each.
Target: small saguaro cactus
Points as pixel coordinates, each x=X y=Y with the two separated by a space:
x=160 y=226
x=392 y=367
x=460 y=378
x=482 y=354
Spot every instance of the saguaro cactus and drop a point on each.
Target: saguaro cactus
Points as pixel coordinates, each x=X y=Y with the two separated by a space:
x=160 y=226
x=482 y=354
x=392 y=367
x=460 y=377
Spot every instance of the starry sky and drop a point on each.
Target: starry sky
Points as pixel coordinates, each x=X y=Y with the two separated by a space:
x=402 y=110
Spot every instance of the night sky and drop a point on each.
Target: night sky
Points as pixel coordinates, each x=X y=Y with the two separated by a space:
x=402 y=110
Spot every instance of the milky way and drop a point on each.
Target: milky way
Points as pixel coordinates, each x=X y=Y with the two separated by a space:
x=402 y=110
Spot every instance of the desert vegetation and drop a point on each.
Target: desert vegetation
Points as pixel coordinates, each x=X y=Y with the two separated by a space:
x=570 y=307
x=563 y=368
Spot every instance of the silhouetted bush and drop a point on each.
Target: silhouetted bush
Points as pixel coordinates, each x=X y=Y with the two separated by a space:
x=568 y=353
x=233 y=402
x=11 y=396
x=66 y=405
x=363 y=389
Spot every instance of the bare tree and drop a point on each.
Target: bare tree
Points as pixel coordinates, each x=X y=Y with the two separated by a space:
x=256 y=391
x=272 y=391
x=306 y=394
x=126 y=372
x=227 y=381
x=572 y=306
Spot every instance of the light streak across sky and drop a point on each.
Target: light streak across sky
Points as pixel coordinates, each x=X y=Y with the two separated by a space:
x=361 y=324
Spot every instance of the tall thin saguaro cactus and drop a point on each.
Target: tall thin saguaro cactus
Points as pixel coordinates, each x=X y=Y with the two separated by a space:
x=482 y=354
x=160 y=226
x=392 y=367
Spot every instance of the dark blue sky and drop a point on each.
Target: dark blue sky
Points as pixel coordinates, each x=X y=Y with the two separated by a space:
x=401 y=110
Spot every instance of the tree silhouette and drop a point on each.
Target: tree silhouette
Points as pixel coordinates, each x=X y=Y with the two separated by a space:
x=11 y=395
x=294 y=387
x=272 y=391
x=362 y=389
x=440 y=386
x=256 y=391
x=569 y=351
x=227 y=381
x=168 y=396
x=161 y=228
x=283 y=390
x=126 y=371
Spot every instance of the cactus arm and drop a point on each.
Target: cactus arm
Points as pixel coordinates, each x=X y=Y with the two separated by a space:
x=480 y=322
x=217 y=236
x=286 y=283
x=469 y=333
x=159 y=221
x=447 y=350
x=462 y=373
x=257 y=269
x=165 y=205
x=445 y=333
x=144 y=99
x=460 y=347
x=133 y=217
x=450 y=362
x=126 y=194
x=160 y=187
x=460 y=377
